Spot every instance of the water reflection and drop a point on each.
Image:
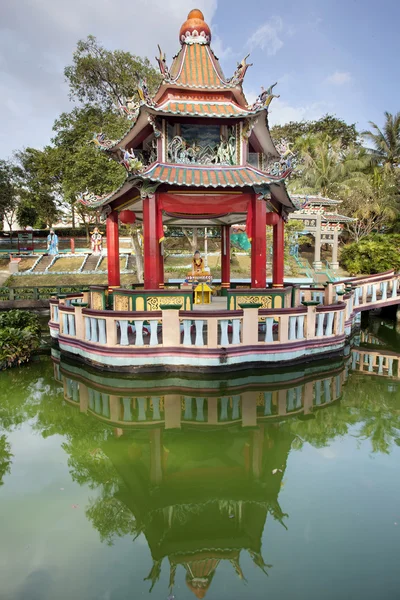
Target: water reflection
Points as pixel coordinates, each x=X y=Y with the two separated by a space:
x=195 y=465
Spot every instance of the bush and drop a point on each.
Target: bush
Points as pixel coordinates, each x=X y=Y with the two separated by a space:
x=19 y=337
x=21 y=319
x=375 y=253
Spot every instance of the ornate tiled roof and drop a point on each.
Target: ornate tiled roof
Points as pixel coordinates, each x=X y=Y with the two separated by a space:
x=196 y=66
x=304 y=200
x=334 y=218
x=208 y=176
x=204 y=108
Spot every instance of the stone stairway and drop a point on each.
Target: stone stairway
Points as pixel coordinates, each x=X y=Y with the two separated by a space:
x=91 y=263
x=43 y=264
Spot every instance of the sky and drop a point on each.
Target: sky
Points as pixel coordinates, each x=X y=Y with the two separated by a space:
x=338 y=57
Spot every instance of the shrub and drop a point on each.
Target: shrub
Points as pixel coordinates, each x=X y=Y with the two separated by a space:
x=21 y=319
x=19 y=337
x=373 y=254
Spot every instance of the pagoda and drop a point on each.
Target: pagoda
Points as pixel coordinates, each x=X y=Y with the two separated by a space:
x=321 y=219
x=196 y=153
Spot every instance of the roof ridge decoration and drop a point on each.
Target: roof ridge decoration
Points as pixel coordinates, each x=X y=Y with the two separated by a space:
x=195 y=30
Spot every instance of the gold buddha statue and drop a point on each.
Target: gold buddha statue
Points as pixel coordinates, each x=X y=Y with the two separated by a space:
x=198 y=271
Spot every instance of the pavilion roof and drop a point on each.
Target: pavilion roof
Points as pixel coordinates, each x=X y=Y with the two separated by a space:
x=209 y=175
x=196 y=67
x=205 y=108
x=335 y=218
x=305 y=200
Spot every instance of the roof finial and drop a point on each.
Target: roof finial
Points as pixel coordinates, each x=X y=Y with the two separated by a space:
x=195 y=30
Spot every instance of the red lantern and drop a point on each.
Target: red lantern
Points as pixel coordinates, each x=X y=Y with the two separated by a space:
x=272 y=218
x=127 y=217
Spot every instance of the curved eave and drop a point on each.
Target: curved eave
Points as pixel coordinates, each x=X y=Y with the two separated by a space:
x=205 y=177
x=263 y=136
x=239 y=111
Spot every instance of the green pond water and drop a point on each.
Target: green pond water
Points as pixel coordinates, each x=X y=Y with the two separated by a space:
x=254 y=485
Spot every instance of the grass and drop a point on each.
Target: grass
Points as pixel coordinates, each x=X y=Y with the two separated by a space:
x=104 y=263
x=78 y=279
x=68 y=263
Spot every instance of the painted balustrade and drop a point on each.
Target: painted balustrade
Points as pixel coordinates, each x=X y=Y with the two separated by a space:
x=221 y=329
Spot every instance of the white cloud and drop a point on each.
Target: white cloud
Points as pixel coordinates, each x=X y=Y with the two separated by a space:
x=281 y=112
x=339 y=78
x=267 y=36
x=38 y=37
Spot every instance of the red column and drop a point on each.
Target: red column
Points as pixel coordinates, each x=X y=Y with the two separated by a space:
x=278 y=261
x=114 y=278
x=225 y=257
x=151 y=244
x=258 y=244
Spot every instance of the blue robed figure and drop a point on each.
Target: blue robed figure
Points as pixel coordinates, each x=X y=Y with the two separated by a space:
x=52 y=243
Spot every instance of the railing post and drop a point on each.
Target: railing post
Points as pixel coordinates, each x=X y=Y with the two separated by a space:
x=111 y=331
x=250 y=326
x=79 y=326
x=328 y=294
x=171 y=335
x=212 y=333
x=283 y=330
x=311 y=319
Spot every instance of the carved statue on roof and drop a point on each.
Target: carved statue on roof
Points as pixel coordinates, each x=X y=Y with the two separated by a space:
x=89 y=197
x=99 y=140
x=129 y=108
x=143 y=91
x=265 y=98
x=131 y=163
x=240 y=72
x=162 y=63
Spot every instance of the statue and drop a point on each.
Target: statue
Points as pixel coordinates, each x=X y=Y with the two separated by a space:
x=265 y=98
x=129 y=161
x=240 y=72
x=52 y=243
x=198 y=273
x=129 y=109
x=162 y=63
x=96 y=241
x=99 y=140
x=143 y=91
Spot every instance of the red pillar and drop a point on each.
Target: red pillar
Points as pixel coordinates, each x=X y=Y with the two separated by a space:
x=151 y=244
x=258 y=244
x=225 y=257
x=114 y=278
x=278 y=261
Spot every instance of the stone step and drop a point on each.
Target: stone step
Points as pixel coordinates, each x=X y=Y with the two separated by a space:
x=91 y=263
x=43 y=264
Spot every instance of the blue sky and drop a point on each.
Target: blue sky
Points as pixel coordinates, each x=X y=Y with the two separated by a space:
x=337 y=57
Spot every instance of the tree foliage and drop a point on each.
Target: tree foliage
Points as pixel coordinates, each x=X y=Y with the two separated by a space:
x=375 y=253
x=107 y=78
x=386 y=141
x=328 y=125
x=9 y=196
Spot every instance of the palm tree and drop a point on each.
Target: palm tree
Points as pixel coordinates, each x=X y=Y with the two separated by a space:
x=386 y=142
x=327 y=168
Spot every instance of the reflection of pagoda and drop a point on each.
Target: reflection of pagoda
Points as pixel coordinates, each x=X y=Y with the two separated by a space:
x=202 y=497
x=200 y=462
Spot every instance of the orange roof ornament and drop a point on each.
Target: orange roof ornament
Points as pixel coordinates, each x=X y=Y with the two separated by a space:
x=195 y=30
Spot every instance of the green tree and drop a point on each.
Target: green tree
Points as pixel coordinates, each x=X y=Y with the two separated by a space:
x=107 y=78
x=375 y=253
x=386 y=141
x=328 y=168
x=9 y=193
x=36 y=188
x=328 y=125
